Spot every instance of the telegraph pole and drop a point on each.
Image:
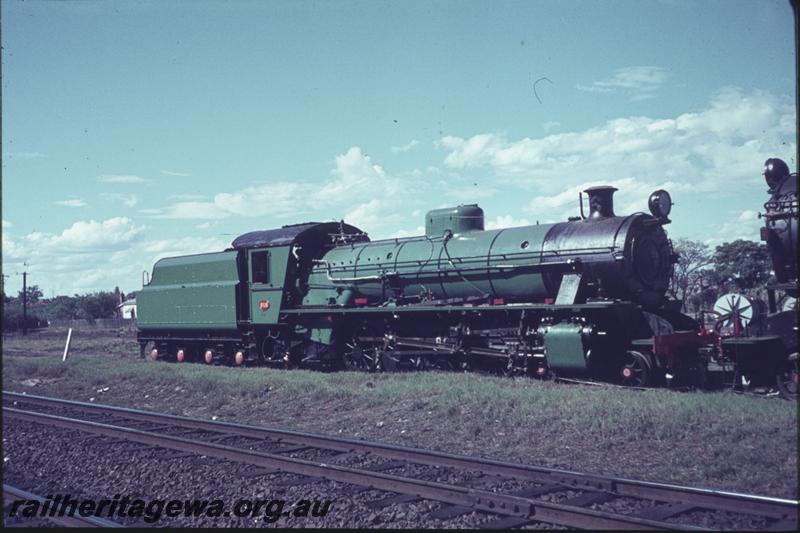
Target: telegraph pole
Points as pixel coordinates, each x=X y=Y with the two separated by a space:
x=24 y=303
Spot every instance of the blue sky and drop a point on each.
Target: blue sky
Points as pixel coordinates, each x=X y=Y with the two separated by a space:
x=135 y=130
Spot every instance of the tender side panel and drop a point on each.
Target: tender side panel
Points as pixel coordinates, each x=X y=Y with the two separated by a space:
x=191 y=292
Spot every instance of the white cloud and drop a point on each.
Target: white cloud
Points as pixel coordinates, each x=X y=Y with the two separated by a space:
x=356 y=177
x=550 y=125
x=631 y=196
x=712 y=149
x=192 y=211
x=636 y=77
x=593 y=88
x=748 y=215
x=88 y=255
x=402 y=233
x=128 y=200
x=112 y=234
x=92 y=255
x=187 y=197
x=72 y=202
x=642 y=96
x=712 y=153
x=745 y=226
x=24 y=155
x=406 y=147
x=277 y=199
x=478 y=150
x=118 y=178
x=506 y=221
x=368 y=215
x=355 y=180
x=7 y=224
x=12 y=251
x=172 y=173
x=184 y=246
x=640 y=81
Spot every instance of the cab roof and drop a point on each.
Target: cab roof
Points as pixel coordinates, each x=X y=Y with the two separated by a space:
x=286 y=235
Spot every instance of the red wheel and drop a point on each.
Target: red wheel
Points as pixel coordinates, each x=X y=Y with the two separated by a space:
x=637 y=370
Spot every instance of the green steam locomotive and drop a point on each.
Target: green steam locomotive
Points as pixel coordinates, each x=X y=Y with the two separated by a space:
x=585 y=297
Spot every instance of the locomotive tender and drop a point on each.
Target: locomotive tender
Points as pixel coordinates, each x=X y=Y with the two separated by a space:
x=582 y=297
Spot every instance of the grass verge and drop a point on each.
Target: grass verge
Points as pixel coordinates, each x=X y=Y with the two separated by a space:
x=716 y=440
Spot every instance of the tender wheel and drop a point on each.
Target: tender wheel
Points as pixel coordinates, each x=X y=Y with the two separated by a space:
x=787 y=380
x=357 y=357
x=637 y=370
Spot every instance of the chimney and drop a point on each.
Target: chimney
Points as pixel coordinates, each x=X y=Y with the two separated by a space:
x=601 y=201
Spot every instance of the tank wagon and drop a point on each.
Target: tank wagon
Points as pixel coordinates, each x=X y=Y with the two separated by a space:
x=584 y=297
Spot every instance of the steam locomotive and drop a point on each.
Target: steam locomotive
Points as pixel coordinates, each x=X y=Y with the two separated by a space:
x=763 y=345
x=585 y=297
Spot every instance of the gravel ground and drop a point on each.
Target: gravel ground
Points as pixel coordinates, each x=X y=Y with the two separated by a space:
x=101 y=468
x=98 y=468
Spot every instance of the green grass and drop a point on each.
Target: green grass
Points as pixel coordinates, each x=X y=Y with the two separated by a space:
x=720 y=440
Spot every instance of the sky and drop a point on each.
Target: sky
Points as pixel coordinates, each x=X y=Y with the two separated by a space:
x=137 y=130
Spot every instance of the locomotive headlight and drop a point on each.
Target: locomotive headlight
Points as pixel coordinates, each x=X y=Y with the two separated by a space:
x=660 y=203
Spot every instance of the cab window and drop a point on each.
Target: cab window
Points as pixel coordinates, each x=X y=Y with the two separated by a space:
x=260 y=264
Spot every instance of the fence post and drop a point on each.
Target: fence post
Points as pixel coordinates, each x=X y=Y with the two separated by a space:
x=66 y=347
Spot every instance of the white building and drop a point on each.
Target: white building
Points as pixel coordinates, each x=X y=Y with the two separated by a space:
x=127 y=309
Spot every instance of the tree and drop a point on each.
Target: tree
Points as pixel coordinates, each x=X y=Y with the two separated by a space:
x=61 y=308
x=13 y=316
x=743 y=266
x=97 y=305
x=691 y=270
x=33 y=292
x=705 y=293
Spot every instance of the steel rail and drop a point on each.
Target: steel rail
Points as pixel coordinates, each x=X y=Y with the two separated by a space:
x=713 y=499
x=498 y=503
x=14 y=493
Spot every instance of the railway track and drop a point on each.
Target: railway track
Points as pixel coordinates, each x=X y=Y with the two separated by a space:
x=513 y=494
